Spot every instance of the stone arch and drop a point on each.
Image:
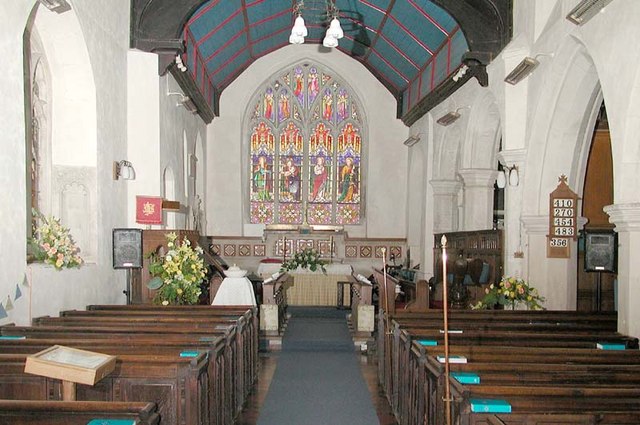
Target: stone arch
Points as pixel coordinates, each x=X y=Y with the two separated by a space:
x=447 y=154
x=562 y=131
x=71 y=151
x=483 y=135
x=559 y=143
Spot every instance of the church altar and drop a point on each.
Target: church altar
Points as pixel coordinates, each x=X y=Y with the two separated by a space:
x=313 y=288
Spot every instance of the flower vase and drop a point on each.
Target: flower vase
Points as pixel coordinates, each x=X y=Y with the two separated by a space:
x=519 y=305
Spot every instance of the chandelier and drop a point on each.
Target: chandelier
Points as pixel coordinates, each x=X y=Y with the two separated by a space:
x=320 y=11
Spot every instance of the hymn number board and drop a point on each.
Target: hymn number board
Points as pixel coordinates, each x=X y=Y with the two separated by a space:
x=563 y=208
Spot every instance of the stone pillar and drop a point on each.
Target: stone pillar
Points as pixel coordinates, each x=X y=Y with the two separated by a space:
x=626 y=217
x=478 y=198
x=445 y=205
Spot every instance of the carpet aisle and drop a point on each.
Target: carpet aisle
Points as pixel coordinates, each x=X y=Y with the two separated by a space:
x=317 y=379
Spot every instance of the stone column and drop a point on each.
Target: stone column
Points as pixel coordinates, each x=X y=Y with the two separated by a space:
x=445 y=205
x=626 y=217
x=478 y=198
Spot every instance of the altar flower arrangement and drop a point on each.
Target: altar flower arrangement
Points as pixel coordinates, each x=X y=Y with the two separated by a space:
x=510 y=292
x=308 y=258
x=178 y=273
x=53 y=244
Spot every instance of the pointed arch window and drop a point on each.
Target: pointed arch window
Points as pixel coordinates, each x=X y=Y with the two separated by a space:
x=306 y=146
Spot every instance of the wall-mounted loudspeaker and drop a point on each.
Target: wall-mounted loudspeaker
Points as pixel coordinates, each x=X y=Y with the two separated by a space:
x=127 y=248
x=601 y=251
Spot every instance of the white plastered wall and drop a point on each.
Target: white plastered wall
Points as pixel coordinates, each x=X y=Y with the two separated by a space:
x=386 y=157
x=546 y=123
x=103 y=136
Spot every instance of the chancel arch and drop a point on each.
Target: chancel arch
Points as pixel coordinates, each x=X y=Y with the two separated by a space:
x=306 y=143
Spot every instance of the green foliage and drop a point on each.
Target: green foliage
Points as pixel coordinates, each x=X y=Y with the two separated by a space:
x=307 y=259
x=177 y=274
x=509 y=292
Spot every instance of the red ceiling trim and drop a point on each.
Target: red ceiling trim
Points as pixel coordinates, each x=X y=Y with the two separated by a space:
x=444 y=44
x=410 y=34
x=220 y=25
x=269 y=18
x=221 y=48
x=387 y=14
x=189 y=36
x=429 y=17
x=233 y=76
x=448 y=55
x=255 y=3
x=394 y=85
x=373 y=6
x=390 y=65
x=264 y=37
x=391 y=43
x=245 y=16
x=202 y=12
x=228 y=61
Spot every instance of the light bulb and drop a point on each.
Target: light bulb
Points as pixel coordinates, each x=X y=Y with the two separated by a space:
x=296 y=39
x=514 y=178
x=299 y=28
x=335 y=30
x=330 y=41
x=501 y=181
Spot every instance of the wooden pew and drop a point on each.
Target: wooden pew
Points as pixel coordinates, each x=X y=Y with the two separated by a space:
x=178 y=385
x=220 y=402
x=425 y=372
x=160 y=326
x=240 y=357
x=249 y=334
x=415 y=394
x=31 y=412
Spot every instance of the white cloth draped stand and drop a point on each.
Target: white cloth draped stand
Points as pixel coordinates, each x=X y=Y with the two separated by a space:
x=235 y=291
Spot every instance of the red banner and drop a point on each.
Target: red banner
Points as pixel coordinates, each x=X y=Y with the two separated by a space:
x=148 y=209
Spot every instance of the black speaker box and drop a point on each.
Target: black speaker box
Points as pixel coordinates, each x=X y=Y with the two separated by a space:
x=127 y=248
x=601 y=251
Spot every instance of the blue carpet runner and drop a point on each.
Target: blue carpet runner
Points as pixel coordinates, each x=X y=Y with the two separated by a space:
x=317 y=379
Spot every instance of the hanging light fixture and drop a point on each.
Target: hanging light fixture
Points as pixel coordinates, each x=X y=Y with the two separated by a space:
x=501 y=181
x=299 y=30
x=329 y=11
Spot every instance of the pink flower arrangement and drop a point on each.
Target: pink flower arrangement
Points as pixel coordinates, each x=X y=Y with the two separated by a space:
x=52 y=243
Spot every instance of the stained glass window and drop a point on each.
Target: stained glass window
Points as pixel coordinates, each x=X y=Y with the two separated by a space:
x=306 y=150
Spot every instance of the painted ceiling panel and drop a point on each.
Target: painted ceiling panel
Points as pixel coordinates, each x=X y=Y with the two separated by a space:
x=394 y=39
x=385 y=68
x=230 y=34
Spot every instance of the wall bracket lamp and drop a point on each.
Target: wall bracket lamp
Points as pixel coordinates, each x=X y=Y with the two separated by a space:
x=412 y=140
x=524 y=69
x=123 y=170
x=58 y=6
x=450 y=117
x=586 y=10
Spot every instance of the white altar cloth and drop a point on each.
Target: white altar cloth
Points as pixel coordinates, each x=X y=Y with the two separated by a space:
x=235 y=291
x=313 y=288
